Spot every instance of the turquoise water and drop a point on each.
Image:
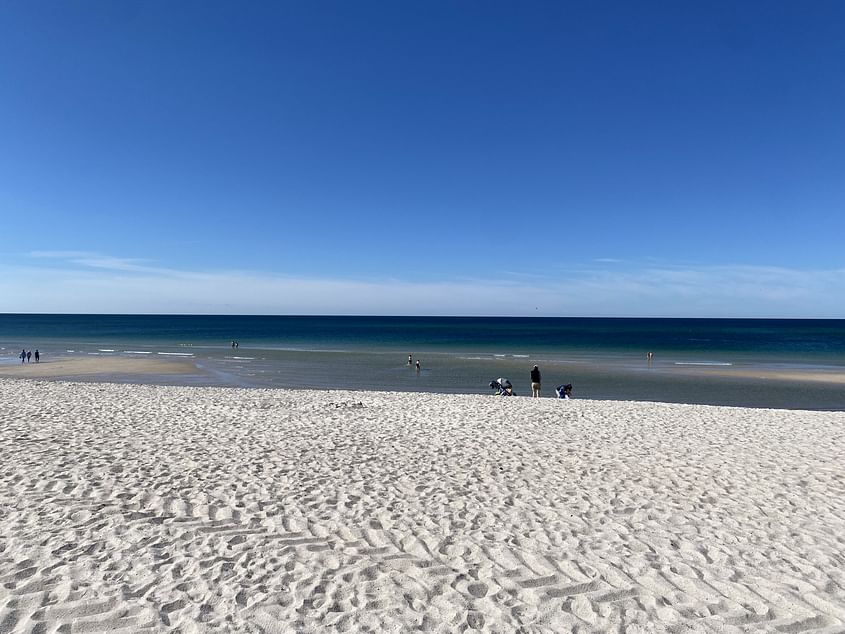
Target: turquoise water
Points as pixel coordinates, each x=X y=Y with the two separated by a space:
x=603 y=358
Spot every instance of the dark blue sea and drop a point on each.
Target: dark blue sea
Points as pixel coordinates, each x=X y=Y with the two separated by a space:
x=746 y=362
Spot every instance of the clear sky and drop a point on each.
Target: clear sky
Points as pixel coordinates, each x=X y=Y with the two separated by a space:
x=454 y=158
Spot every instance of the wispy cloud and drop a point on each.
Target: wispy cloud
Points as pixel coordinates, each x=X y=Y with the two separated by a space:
x=98 y=261
x=89 y=282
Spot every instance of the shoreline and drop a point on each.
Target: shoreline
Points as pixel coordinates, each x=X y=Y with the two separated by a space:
x=179 y=371
x=159 y=508
x=64 y=365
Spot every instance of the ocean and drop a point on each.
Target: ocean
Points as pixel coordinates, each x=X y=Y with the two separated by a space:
x=709 y=361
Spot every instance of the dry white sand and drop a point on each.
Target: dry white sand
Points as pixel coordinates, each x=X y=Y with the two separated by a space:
x=162 y=509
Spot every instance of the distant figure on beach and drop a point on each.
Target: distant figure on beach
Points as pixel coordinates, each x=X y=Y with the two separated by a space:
x=233 y=343
x=535 y=382
x=418 y=365
x=564 y=391
x=410 y=359
x=28 y=355
x=37 y=356
x=237 y=344
x=23 y=355
x=650 y=357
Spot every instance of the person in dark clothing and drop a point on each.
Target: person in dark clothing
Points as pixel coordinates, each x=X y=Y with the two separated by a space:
x=37 y=356
x=535 y=382
x=564 y=391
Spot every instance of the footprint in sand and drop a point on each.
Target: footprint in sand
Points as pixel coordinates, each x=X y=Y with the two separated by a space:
x=478 y=590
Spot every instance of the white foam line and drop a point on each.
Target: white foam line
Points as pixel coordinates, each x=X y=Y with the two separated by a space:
x=500 y=355
x=136 y=352
x=176 y=354
x=244 y=358
x=699 y=363
x=520 y=356
x=104 y=350
x=70 y=350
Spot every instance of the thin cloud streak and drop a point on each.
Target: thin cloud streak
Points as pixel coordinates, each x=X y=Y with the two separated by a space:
x=86 y=259
x=104 y=284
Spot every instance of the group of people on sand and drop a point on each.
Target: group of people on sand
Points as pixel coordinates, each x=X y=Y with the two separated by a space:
x=504 y=387
x=26 y=356
x=536 y=380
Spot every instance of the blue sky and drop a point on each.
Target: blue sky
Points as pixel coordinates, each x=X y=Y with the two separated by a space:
x=457 y=158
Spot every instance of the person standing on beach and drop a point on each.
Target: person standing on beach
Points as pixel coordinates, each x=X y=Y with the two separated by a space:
x=410 y=359
x=418 y=365
x=535 y=382
x=37 y=356
x=23 y=355
x=28 y=356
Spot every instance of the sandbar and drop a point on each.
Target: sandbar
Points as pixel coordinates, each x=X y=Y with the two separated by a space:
x=102 y=366
x=836 y=377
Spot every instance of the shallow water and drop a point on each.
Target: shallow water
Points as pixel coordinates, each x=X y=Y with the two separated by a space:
x=695 y=361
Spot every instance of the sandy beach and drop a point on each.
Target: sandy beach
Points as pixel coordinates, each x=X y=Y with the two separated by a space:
x=130 y=508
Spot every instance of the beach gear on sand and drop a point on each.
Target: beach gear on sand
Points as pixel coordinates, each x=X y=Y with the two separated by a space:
x=502 y=386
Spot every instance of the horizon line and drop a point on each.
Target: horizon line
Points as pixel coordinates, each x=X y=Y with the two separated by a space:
x=421 y=316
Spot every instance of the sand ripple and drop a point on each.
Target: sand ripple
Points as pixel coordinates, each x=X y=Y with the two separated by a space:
x=163 y=509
